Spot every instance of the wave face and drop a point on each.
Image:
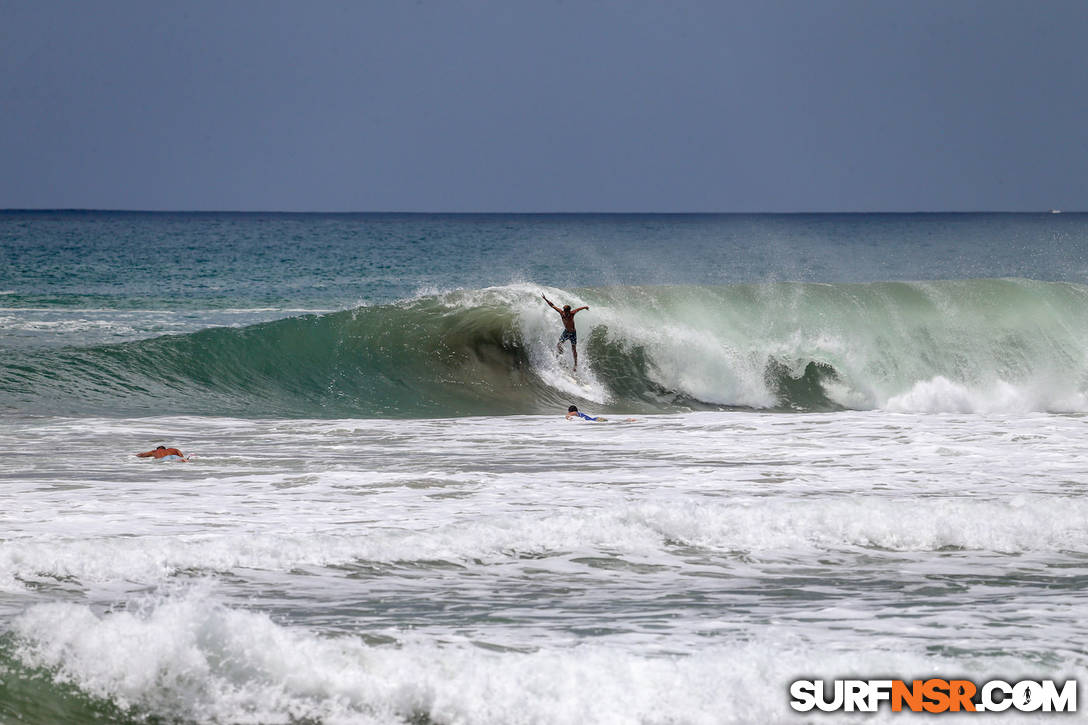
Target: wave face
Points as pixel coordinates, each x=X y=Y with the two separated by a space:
x=1007 y=345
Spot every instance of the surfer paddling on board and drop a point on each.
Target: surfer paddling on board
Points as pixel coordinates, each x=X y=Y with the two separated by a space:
x=574 y=413
x=569 y=333
x=170 y=454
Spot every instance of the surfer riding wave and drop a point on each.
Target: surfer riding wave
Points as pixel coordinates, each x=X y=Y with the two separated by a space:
x=569 y=333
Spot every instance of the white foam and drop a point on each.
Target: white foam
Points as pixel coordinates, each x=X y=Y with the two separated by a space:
x=648 y=532
x=188 y=656
x=688 y=558
x=941 y=395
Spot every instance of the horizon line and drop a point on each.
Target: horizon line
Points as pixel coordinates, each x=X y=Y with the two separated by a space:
x=94 y=210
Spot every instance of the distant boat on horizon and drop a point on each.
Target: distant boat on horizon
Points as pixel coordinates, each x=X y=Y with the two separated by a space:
x=1055 y=211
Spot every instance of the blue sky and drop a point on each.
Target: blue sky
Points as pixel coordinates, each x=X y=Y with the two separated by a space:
x=544 y=106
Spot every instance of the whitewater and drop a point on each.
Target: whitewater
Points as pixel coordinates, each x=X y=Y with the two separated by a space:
x=856 y=449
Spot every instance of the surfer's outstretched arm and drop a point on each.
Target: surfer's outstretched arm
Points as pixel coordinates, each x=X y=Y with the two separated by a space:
x=550 y=303
x=579 y=309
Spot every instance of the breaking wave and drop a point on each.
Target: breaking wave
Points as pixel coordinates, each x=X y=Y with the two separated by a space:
x=1007 y=345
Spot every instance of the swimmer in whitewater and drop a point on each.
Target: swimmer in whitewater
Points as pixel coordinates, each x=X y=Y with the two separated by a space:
x=170 y=454
x=569 y=333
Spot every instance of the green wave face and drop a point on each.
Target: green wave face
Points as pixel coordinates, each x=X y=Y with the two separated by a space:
x=974 y=345
x=37 y=696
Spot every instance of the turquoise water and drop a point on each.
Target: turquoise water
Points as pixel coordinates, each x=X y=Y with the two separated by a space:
x=857 y=450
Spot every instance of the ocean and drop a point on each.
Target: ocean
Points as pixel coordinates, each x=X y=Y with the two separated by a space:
x=836 y=446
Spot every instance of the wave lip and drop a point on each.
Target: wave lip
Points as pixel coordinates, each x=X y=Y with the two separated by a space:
x=966 y=346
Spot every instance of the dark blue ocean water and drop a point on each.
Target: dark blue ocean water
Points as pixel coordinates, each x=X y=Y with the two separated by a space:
x=213 y=260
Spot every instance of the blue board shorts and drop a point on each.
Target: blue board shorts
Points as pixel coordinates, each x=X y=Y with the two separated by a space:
x=568 y=335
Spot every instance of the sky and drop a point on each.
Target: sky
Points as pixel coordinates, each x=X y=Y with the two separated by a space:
x=544 y=106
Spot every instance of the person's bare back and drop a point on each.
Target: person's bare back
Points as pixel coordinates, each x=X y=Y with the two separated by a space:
x=162 y=452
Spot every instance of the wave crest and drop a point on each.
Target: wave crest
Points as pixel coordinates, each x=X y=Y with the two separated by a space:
x=955 y=346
